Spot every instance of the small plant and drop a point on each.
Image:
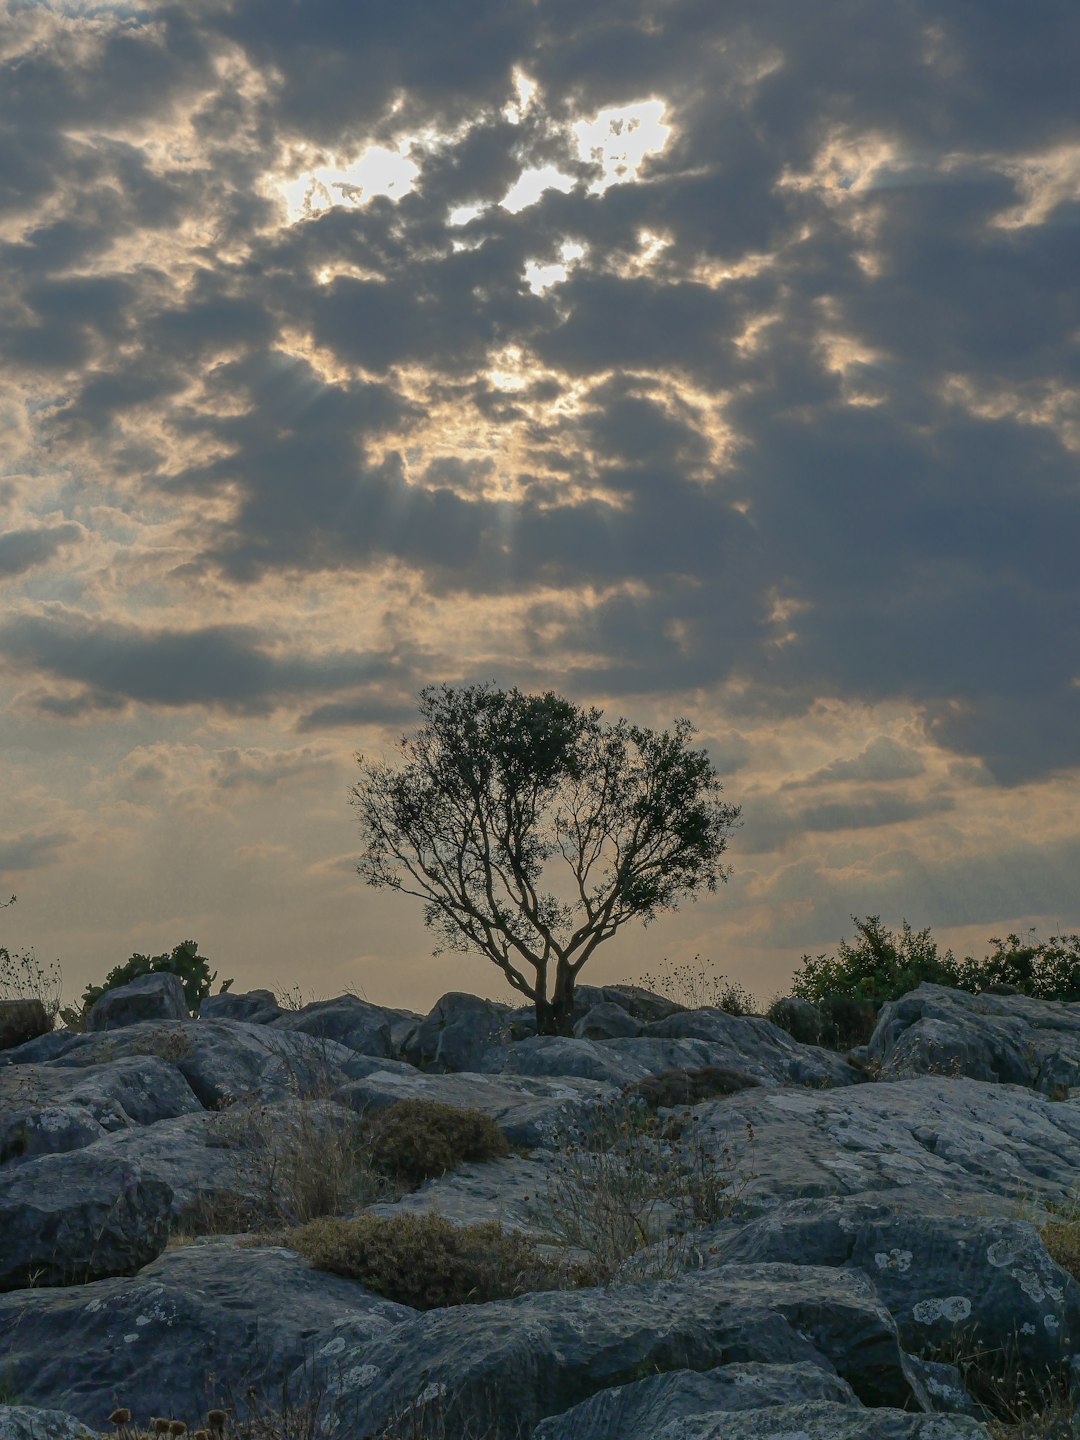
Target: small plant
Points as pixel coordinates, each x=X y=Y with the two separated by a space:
x=23 y=977
x=697 y=986
x=669 y=1088
x=417 y=1140
x=620 y=1184
x=1018 y=1402
x=425 y=1260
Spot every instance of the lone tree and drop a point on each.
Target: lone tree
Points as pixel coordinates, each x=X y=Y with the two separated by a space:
x=498 y=789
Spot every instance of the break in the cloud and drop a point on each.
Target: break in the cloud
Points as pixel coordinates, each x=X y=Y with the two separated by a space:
x=700 y=359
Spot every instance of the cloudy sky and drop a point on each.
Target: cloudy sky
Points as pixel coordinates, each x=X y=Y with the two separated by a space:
x=718 y=360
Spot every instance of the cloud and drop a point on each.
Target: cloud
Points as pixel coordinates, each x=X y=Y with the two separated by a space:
x=231 y=667
x=31 y=851
x=21 y=550
x=883 y=759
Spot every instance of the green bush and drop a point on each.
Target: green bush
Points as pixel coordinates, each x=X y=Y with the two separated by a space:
x=881 y=966
x=424 y=1260
x=417 y=1140
x=183 y=960
x=1047 y=970
x=846 y=1021
x=799 y=1017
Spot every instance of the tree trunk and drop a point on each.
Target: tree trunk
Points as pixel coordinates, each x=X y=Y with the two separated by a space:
x=556 y=1016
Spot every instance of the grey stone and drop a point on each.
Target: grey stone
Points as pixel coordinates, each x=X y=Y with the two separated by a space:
x=752 y=1043
x=221 y=1060
x=507 y=1191
x=515 y=1362
x=150 y=997
x=455 y=1033
x=23 y=1422
x=640 y=1410
x=606 y=1021
x=557 y=1056
x=1011 y=1039
x=78 y=1216
x=529 y=1111
x=131 y=1090
x=987 y=1275
x=924 y=1144
x=802 y=1020
x=259 y=1007
x=822 y=1420
x=153 y=1342
x=349 y=1020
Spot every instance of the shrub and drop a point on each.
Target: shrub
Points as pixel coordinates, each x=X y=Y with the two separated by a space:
x=23 y=977
x=846 y=1021
x=879 y=966
x=417 y=1140
x=1047 y=969
x=183 y=960
x=801 y=1019
x=688 y=1087
x=424 y=1260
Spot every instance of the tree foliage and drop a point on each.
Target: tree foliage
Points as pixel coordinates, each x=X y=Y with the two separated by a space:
x=532 y=831
x=183 y=960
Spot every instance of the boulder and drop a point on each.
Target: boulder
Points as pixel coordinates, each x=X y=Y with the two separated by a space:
x=641 y=1409
x=22 y=1020
x=258 y=1007
x=195 y=1328
x=926 y=1145
x=606 y=1021
x=221 y=1060
x=23 y=1422
x=456 y=1032
x=989 y=1275
x=348 y=1020
x=772 y=1062
x=751 y=1043
x=809 y=1420
x=559 y=1055
x=530 y=1112
x=150 y=997
x=1011 y=1039
x=801 y=1019
x=46 y=1109
x=513 y=1363
x=77 y=1217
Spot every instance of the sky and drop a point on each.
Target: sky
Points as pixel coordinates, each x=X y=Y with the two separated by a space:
x=687 y=359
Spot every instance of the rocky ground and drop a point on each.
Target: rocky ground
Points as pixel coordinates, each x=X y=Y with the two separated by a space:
x=884 y=1217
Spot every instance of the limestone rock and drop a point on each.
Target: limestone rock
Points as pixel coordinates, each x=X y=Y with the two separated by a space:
x=259 y=1007
x=1011 y=1039
x=78 y=1216
x=347 y=1020
x=23 y=1422
x=150 y=997
x=242 y=1316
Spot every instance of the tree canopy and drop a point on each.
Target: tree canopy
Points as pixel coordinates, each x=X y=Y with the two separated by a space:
x=532 y=831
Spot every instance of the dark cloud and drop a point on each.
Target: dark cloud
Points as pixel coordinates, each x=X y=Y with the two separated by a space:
x=30 y=851
x=883 y=759
x=21 y=550
x=227 y=666
x=819 y=443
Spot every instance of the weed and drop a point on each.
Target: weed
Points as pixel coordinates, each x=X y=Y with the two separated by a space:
x=697 y=986
x=416 y=1140
x=425 y=1260
x=621 y=1183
